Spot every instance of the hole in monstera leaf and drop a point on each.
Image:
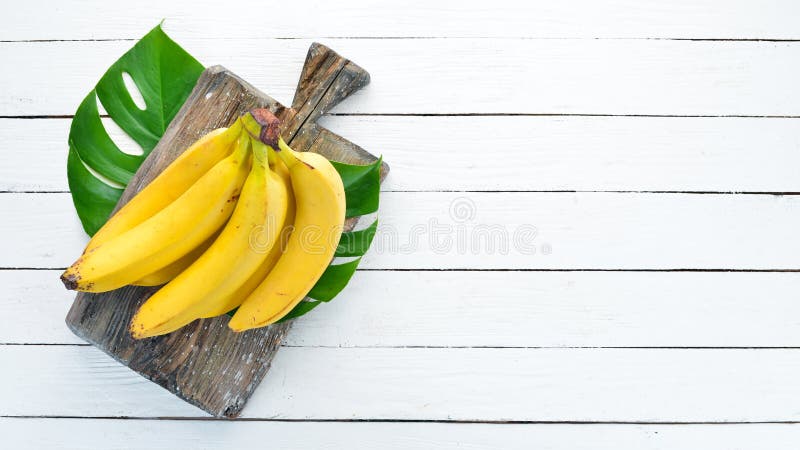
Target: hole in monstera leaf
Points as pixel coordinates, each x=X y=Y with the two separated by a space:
x=125 y=143
x=343 y=260
x=366 y=221
x=100 y=108
x=102 y=178
x=133 y=90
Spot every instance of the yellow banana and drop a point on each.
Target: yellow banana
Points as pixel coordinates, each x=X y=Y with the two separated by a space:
x=237 y=253
x=319 y=219
x=226 y=304
x=169 y=234
x=165 y=274
x=170 y=184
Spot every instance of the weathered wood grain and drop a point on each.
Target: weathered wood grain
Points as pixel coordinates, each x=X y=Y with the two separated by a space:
x=205 y=363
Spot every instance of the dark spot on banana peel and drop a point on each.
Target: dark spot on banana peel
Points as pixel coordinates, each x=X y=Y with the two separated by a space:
x=270 y=126
x=307 y=164
x=70 y=281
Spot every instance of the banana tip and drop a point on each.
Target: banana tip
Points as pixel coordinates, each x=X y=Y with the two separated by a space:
x=138 y=331
x=238 y=325
x=70 y=280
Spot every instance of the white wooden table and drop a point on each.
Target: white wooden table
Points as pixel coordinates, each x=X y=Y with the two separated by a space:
x=639 y=159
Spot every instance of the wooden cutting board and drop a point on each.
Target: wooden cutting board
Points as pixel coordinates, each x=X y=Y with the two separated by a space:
x=205 y=363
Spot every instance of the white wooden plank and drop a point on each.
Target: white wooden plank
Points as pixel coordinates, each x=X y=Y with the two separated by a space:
x=124 y=392
x=33 y=155
x=556 y=153
x=445 y=76
x=585 y=231
x=33 y=305
x=616 y=309
x=582 y=153
x=583 y=18
x=118 y=434
x=520 y=230
x=494 y=309
x=44 y=240
x=435 y=384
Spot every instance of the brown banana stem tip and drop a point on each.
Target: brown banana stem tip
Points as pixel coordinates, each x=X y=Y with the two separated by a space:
x=270 y=126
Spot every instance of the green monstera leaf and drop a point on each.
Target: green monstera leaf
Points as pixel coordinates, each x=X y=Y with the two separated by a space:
x=164 y=75
x=360 y=186
x=334 y=279
x=97 y=170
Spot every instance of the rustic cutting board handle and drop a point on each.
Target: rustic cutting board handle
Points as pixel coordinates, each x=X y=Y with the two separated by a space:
x=327 y=79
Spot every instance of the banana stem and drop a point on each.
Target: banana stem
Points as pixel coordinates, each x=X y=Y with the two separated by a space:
x=261 y=152
x=263 y=125
x=283 y=146
x=273 y=158
x=243 y=147
x=236 y=128
x=288 y=155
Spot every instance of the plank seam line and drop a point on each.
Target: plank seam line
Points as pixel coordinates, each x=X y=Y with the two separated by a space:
x=432 y=37
x=515 y=191
x=40 y=41
x=43 y=344
x=581 y=191
x=546 y=347
x=576 y=270
x=546 y=114
x=462 y=347
x=456 y=269
x=412 y=421
x=523 y=114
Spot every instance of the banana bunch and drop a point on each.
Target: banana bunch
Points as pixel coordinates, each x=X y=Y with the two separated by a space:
x=239 y=220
